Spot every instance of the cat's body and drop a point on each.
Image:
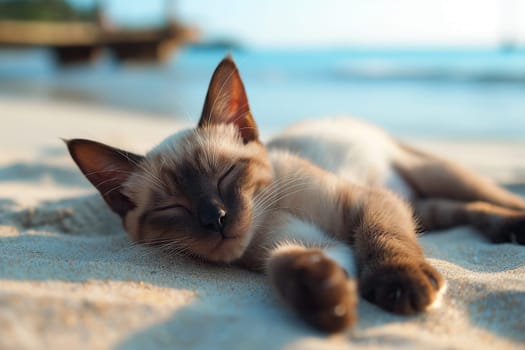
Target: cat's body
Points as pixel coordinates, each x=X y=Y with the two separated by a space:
x=350 y=148
x=295 y=208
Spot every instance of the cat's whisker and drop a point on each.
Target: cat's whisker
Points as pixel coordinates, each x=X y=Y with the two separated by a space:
x=108 y=171
x=130 y=247
x=128 y=158
x=107 y=181
x=149 y=180
x=151 y=177
x=123 y=172
x=275 y=186
x=142 y=244
x=182 y=246
x=163 y=163
x=176 y=250
x=266 y=202
x=271 y=206
x=263 y=211
x=159 y=246
x=111 y=190
x=274 y=194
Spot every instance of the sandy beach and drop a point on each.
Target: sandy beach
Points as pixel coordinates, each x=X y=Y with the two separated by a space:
x=70 y=278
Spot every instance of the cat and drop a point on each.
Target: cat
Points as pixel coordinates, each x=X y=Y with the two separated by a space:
x=321 y=206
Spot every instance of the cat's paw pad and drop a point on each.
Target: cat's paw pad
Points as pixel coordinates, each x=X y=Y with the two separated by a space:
x=512 y=231
x=318 y=289
x=402 y=288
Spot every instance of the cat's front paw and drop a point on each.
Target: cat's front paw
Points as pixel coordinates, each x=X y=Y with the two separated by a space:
x=316 y=288
x=405 y=288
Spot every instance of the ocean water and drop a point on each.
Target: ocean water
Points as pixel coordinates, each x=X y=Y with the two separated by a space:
x=445 y=94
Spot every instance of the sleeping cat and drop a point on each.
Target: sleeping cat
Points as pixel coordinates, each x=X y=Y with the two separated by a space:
x=303 y=208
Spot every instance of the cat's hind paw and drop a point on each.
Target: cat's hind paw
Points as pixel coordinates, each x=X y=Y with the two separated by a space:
x=512 y=231
x=316 y=288
x=402 y=288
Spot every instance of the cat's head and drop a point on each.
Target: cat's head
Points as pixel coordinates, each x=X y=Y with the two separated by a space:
x=195 y=191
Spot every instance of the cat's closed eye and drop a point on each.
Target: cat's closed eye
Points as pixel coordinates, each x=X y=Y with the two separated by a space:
x=172 y=208
x=226 y=179
x=167 y=215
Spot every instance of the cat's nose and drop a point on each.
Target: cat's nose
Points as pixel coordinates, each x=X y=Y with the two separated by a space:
x=212 y=217
x=215 y=222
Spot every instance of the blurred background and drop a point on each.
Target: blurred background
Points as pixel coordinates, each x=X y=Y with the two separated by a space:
x=425 y=68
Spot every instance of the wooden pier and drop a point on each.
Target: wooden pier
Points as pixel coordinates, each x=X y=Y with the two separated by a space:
x=76 y=42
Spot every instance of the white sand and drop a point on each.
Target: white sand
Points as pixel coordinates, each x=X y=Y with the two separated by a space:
x=69 y=277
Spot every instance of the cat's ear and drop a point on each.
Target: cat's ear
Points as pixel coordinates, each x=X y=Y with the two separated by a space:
x=107 y=168
x=227 y=103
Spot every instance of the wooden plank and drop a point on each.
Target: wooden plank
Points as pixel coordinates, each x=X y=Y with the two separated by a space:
x=22 y=33
x=74 y=42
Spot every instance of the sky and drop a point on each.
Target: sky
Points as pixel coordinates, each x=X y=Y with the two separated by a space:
x=336 y=23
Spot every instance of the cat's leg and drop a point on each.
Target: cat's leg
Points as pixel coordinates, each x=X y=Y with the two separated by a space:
x=393 y=272
x=433 y=177
x=314 y=285
x=497 y=223
x=309 y=271
x=450 y=195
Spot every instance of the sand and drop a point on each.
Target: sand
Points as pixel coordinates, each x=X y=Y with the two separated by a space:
x=70 y=278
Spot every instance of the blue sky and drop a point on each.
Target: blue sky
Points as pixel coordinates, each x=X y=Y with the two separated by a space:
x=337 y=23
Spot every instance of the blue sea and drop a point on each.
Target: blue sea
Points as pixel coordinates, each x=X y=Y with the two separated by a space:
x=476 y=94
